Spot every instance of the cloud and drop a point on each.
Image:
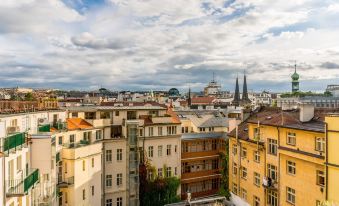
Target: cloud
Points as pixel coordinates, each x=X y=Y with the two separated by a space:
x=330 y=65
x=135 y=44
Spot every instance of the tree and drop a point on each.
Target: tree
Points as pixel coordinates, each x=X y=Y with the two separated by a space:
x=224 y=187
x=29 y=97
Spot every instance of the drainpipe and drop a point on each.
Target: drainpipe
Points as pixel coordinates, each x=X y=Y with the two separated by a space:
x=278 y=175
x=326 y=161
x=103 y=173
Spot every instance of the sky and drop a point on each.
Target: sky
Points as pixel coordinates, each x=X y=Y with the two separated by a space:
x=160 y=44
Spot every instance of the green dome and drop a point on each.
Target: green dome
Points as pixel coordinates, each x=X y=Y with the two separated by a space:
x=295 y=76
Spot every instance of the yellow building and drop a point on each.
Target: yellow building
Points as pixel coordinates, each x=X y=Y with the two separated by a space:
x=332 y=158
x=277 y=158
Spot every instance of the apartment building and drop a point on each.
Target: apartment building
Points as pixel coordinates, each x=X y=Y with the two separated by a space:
x=20 y=179
x=132 y=130
x=277 y=157
x=204 y=135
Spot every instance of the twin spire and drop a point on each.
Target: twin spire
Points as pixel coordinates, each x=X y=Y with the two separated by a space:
x=244 y=100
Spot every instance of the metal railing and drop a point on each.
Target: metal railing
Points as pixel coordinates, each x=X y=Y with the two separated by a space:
x=21 y=187
x=13 y=141
x=62 y=181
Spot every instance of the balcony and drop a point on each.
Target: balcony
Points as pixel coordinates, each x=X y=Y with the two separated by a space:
x=270 y=184
x=198 y=174
x=17 y=188
x=99 y=122
x=200 y=154
x=78 y=150
x=44 y=128
x=13 y=142
x=65 y=182
x=60 y=125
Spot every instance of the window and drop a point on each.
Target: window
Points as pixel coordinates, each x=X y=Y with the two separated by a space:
x=272 y=146
x=244 y=194
x=169 y=149
x=119 y=179
x=108 y=155
x=320 y=178
x=150 y=131
x=168 y=172
x=83 y=165
x=320 y=144
x=234 y=168
x=92 y=162
x=272 y=171
x=89 y=115
x=256 y=133
x=272 y=198
x=175 y=148
x=291 y=139
x=175 y=171
x=256 y=156
x=171 y=130
x=159 y=131
x=150 y=175
x=92 y=190
x=159 y=172
x=109 y=202
x=119 y=154
x=256 y=201
x=19 y=163
x=83 y=194
x=98 y=134
x=116 y=113
x=160 y=151
x=141 y=132
x=234 y=149
x=119 y=201
x=290 y=193
x=150 y=151
x=234 y=188
x=257 y=179
x=66 y=198
x=108 y=180
x=291 y=169
x=244 y=172
x=74 y=114
x=244 y=152
x=60 y=140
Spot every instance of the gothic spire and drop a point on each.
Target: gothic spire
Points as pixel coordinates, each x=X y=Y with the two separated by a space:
x=236 y=99
x=245 y=98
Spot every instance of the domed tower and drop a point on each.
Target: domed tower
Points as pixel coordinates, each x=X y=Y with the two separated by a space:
x=295 y=80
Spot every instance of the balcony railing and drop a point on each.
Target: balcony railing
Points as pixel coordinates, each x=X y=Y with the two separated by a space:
x=14 y=141
x=65 y=182
x=81 y=143
x=60 y=125
x=269 y=184
x=21 y=187
x=45 y=128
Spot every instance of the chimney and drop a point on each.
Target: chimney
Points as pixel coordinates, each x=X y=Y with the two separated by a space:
x=306 y=112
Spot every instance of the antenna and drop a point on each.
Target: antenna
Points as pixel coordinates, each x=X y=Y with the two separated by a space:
x=295 y=66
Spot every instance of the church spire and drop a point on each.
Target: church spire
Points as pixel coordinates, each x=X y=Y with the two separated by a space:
x=245 y=98
x=236 y=99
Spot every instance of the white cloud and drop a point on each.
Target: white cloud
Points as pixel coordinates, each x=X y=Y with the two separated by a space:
x=140 y=44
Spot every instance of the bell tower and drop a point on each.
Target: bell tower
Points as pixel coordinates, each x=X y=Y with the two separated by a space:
x=295 y=80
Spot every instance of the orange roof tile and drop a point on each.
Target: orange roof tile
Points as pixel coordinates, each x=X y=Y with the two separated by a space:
x=78 y=123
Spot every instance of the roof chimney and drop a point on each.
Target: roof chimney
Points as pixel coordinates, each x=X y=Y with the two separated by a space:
x=306 y=112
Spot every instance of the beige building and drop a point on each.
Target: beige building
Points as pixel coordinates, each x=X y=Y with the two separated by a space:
x=157 y=133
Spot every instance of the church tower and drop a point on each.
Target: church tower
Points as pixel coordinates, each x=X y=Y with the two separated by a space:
x=245 y=98
x=295 y=80
x=236 y=99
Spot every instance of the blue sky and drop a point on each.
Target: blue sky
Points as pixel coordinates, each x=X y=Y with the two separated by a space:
x=160 y=44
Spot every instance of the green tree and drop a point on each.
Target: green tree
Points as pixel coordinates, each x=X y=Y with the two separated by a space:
x=29 y=97
x=224 y=187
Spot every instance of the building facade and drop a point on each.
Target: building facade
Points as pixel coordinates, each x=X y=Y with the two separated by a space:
x=277 y=158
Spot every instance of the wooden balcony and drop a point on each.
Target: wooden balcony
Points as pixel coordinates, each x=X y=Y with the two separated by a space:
x=198 y=174
x=201 y=154
x=200 y=194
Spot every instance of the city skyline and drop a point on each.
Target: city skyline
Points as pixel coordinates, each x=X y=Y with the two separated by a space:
x=130 y=45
